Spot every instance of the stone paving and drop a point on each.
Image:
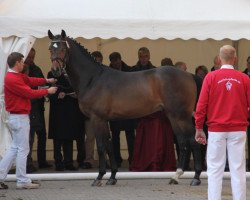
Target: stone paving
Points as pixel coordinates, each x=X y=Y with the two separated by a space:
x=125 y=189
x=132 y=189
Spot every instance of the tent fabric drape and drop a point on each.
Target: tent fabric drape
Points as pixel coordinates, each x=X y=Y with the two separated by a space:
x=8 y=45
x=153 y=19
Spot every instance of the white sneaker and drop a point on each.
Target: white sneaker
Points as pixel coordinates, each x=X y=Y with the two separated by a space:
x=32 y=185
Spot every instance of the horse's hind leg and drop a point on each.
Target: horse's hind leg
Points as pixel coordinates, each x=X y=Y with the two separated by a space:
x=109 y=147
x=183 y=129
x=183 y=153
x=197 y=155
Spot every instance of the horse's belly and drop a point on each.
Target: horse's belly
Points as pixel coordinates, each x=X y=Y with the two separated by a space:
x=136 y=111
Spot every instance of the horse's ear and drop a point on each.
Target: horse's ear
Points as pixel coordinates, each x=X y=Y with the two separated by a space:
x=63 y=34
x=51 y=36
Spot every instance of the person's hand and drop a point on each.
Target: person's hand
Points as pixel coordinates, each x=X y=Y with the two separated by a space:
x=200 y=136
x=52 y=90
x=61 y=95
x=51 y=80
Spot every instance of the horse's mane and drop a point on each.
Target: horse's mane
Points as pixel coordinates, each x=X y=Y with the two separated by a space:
x=86 y=52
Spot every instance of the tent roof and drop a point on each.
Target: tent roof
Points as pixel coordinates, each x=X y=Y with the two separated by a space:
x=170 y=19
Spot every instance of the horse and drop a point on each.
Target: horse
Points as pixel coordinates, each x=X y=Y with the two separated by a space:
x=188 y=146
x=106 y=94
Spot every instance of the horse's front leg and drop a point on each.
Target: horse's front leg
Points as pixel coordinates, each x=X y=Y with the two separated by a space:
x=102 y=160
x=97 y=128
x=109 y=147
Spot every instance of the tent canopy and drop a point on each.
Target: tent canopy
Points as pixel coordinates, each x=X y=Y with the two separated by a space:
x=153 y=19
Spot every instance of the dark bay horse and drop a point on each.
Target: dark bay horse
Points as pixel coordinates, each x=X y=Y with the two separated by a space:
x=106 y=94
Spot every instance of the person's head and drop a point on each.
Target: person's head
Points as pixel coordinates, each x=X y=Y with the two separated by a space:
x=15 y=61
x=143 y=56
x=98 y=56
x=30 y=58
x=248 y=63
x=115 y=60
x=201 y=71
x=227 y=55
x=217 y=63
x=167 y=61
x=181 y=65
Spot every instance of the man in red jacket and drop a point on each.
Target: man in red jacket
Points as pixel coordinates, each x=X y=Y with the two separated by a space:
x=17 y=94
x=225 y=101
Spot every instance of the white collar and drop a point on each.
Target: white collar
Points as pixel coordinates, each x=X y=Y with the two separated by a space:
x=11 y=70
x=227 y=67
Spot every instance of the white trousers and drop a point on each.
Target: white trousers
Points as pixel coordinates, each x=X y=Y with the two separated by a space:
x=234 y=143
x=19 y=126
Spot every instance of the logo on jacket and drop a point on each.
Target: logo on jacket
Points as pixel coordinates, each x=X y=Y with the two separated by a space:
x=229 y=85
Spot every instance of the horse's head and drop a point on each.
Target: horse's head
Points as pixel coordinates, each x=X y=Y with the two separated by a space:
x=58 y=53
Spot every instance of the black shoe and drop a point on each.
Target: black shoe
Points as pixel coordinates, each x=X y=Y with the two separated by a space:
x=71 y=167
x=12 y=171
x=59 y=167
x=31 y=169
x=81 y=166
x=87 y=165
x=44 y=165
x=3 y=186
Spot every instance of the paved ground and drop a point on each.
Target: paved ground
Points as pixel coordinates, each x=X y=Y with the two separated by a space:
x=125 y=189
x=144 y=189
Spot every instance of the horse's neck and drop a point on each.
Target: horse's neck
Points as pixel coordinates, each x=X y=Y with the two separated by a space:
x=81 y=68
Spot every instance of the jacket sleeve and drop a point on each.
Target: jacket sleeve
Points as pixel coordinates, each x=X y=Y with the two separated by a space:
x=20 y=88
x=248 y=96
x=202 y=105
x=33 y=81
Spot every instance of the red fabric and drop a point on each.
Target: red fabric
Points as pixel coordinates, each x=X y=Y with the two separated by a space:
x=224 y=99
x=18 y=92
x=154 y=145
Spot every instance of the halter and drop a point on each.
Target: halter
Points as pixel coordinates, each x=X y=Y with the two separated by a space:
x=62 y=68
x=56 y=43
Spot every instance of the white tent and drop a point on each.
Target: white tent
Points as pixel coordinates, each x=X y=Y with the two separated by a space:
x=153 y=19
x=22 y=21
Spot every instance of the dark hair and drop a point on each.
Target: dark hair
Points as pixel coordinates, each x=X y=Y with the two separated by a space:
x=13 y=58
x=201 y=67
x=248 y=58
x=167 y=61
x=143 y=50
x=97 y=54
x=115 y=56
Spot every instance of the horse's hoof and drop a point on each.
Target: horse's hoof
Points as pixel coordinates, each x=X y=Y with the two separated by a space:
x=97 y=183
x=173 y=182
x=111 y=182
x=195 y=182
